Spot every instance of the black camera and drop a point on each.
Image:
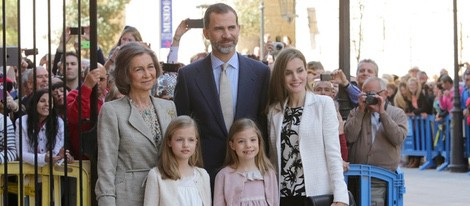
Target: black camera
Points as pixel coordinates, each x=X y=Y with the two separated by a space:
x=371 y=99
x=278 y=46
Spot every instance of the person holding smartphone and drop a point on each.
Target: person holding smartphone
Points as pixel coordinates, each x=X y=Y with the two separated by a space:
x=84 y=33
x=11 y=104
x=180 y=31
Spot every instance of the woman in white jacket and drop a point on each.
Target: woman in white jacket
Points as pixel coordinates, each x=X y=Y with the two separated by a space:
x=303 y=135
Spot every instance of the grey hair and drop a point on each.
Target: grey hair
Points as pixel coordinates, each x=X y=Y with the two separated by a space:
x=382 y=83
x=368 y=61
x=30 y=74
x=26 y=75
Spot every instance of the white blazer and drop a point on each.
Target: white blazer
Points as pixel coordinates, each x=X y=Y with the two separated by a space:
x=319 y=146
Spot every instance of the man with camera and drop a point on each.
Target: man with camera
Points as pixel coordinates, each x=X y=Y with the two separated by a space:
x=375 y=131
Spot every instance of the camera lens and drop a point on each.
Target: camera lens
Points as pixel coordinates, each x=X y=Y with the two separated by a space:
x=278 y=46
x=371 y=100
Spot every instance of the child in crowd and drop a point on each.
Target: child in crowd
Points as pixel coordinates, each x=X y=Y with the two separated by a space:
x=248 y=178
x=178 y=178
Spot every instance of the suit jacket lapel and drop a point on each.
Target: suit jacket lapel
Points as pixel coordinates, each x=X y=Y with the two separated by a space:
x=136 y=120
x=206 y=84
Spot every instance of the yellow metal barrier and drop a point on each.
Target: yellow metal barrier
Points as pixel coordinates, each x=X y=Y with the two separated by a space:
x=73 y=171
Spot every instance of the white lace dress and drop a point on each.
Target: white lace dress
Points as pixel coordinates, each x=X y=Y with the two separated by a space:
x=188 y=194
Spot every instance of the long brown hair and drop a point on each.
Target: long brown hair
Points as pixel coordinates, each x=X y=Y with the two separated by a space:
x=277 y=88
x=167 y=164
x=231 y=158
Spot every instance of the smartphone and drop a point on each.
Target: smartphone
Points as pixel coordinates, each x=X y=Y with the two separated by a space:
x=171 y=67
x=11 y=57
x=84 y=44
x=195 y=23
x=60 y=162
x=326 y=77
x=76 y=31
x=28 y=52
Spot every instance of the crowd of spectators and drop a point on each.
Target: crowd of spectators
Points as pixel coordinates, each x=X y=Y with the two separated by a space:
x=138 y=97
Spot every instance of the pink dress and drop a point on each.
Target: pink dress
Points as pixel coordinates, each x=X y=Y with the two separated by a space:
x=253 y=193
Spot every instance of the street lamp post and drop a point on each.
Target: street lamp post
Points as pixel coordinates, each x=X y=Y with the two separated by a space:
x=261 y=30
x=458 y=162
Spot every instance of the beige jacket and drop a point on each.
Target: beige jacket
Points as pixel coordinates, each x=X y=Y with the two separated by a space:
x=385 y=150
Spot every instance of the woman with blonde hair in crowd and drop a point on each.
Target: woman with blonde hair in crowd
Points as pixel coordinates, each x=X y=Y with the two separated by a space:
x=402 y=98
x=129 y=34
x=418 y=105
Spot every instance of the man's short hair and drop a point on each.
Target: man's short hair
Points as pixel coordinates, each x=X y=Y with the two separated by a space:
x=368 y=61
x=69 y=53
x=31 y=72
x=314 y=65
x=219 y=8
x=382 y=83
x=446 y=78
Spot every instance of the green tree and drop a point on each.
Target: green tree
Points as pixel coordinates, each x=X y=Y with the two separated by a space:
x=11 y=26
x=249 y=19
x=248 y=16
x=110 y=19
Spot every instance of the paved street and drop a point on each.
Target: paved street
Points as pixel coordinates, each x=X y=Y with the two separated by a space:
x=430 y=187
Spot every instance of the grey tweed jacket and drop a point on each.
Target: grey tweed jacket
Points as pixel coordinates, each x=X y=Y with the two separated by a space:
x=127 y=151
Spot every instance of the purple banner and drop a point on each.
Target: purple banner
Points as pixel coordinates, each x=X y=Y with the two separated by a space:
x=166 y=20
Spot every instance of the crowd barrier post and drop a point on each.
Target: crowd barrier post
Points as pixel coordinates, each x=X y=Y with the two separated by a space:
x=73 y=171
x=428 y=138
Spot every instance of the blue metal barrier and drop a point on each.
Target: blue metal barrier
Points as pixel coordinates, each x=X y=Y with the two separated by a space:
x=429 y=139
x=444 y=143
x=416 y=142
x=395 y=183
x=467 y=139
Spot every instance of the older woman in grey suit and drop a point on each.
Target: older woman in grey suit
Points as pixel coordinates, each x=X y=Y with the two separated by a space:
x=130 y=129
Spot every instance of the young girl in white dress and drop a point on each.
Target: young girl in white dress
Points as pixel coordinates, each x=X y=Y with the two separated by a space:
x=248 y=178
x=178 y=178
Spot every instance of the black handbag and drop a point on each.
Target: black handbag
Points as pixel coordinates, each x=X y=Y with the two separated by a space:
x=326 y=200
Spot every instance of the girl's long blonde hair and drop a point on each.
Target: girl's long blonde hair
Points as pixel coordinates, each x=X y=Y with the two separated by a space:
x=167 y=164
x=418 y=87
x=231 y=158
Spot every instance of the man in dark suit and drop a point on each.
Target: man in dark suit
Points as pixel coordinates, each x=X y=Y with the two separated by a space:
x=199 y=83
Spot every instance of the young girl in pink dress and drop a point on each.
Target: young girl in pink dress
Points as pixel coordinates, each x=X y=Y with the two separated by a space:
x=178 y=179
x=248 y=178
